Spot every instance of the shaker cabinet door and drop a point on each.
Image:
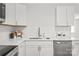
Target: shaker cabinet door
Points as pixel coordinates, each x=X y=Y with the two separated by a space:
x=22 y=49
x=61 y=19
x=10 y=13
x=39 y=48
x=64 y=15
x=75 y=49
x=70 y=15
x=31 y=50
x=20 y=14
x=46 y=50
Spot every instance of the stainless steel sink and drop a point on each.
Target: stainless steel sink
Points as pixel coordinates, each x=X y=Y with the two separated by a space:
x=36 y=38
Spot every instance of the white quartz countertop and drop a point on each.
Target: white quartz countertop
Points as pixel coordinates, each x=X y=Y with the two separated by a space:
x=11 y=42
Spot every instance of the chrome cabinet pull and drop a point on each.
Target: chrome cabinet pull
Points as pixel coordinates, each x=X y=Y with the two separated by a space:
x=68 y=49
x=39 y=48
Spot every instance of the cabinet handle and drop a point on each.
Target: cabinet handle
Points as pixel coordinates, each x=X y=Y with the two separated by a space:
x=39 y=48
x=58 y=42
x=68 y=49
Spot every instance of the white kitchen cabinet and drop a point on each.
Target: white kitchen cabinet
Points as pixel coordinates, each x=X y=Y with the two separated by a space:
x=75 y=48
x=22 y=49
x=70 y=15
x=31 y=50
x=64 y=15
x=46 y=50
x=39 y=49
x=10 y=14
x=15 y=14
x=20 y=14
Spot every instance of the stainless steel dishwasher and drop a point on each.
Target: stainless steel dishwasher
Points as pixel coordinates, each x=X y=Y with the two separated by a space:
x=62 y=47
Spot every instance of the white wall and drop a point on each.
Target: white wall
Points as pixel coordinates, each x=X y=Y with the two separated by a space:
x=75 y=32
x=40 y=15
x=4 y=35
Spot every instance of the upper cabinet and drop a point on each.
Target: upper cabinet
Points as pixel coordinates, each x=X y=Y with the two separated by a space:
x=15 y=14
x=70 y=16
x=20 y=14
x=64 y=15
x=10 y=14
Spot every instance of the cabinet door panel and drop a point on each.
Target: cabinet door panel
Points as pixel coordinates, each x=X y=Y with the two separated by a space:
x=20 y=14
x=31 y=50
x=75 y=49
x=22 y=49
x=10 y=14
x=61 y=16
x=65 y=16
x=39 y=48
x=46 y=51
x=70 y=15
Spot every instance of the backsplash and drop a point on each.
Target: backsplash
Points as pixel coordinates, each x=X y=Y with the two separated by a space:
x=4 y=35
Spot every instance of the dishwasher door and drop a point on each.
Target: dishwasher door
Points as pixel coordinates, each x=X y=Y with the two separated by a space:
x=62 y=48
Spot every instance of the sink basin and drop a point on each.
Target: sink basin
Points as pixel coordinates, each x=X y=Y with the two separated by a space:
x=35 y=38
x=39 y=38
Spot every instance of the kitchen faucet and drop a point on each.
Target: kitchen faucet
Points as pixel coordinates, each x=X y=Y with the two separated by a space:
x=39 y=35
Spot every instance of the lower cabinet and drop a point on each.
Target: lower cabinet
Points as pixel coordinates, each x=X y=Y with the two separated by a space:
x=32 y=51
x=22 y=49
x=46 y=51
x=75 y=48
x=38 y=49
x=43 y=48
x=50 y=48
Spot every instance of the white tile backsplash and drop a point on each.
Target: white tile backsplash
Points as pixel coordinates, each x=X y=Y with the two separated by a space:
x=4 y=35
